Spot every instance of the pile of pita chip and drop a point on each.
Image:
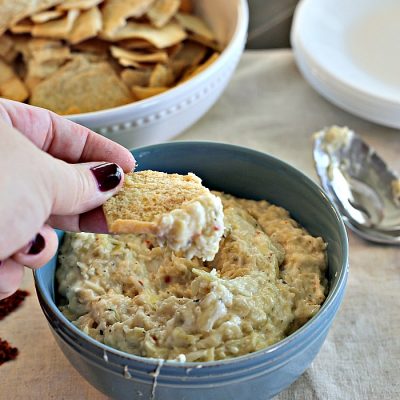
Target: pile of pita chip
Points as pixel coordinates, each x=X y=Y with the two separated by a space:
x=77 y=56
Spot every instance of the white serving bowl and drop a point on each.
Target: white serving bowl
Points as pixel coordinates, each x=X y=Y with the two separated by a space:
x=161 y=117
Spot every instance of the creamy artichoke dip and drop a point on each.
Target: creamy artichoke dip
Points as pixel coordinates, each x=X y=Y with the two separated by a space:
x=267 y=279
x=194 y=229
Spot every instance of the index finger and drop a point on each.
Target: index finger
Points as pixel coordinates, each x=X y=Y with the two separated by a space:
x=63 y=138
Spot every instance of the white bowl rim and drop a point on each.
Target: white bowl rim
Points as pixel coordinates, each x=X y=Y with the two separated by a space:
x=328 y=303
x=238 y=36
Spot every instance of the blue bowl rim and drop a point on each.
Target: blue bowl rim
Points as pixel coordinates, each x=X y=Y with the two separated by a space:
x=329 y=302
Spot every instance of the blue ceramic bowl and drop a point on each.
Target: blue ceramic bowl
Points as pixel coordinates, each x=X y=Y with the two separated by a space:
x=260 y=375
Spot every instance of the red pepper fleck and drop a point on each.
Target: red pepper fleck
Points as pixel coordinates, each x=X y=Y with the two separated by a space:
x=167 y=279
x=7 y=352
x=216 y=228
x=7 y=306
x=11 y=303
x=149 y=244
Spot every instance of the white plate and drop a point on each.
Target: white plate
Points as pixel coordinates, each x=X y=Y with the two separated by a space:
x=349 y=51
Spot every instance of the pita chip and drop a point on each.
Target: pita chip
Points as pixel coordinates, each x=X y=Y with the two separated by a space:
x=24 y=26
x=130 y=63
x=136 y=77
x=39 y=48
x=162 y=76
x=56 y=53
x=92 y=57
x=58 y=28
x=37 y=45
x=116 y=12
x=45 y=16
x=190 y=73
x=47 y=61
x=87 y=25
x=174 y=49
x=11 y=87
x=13 y=11
x=166 y=36
x=136 y=44
x=142 y=93
x=191 y=54
x=8 y=51
x=177 y=68
x=195 y=24
x=43 y=58
x=81 y=86
x=162 y=11
x=212 y=44
x=159 y=56
x=147 y=195
x=39 y=71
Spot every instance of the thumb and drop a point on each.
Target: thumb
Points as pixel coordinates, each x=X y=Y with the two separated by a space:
x=78 y=188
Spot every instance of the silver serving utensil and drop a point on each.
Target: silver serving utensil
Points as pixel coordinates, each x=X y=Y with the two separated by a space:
x=360 y=184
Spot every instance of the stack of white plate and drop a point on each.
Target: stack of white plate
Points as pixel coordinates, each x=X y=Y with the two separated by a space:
x=349 y=51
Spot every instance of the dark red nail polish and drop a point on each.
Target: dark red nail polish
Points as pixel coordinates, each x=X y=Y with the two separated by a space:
x=108 y=176
x=37 y=245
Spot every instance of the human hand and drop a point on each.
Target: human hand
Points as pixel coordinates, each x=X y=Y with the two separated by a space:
x=53 y=172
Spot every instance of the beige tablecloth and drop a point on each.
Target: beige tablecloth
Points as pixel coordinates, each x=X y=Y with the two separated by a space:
x=269 y=107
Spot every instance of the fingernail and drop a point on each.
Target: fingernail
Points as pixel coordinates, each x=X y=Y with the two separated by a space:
x=37 y=245
x=108 y=176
